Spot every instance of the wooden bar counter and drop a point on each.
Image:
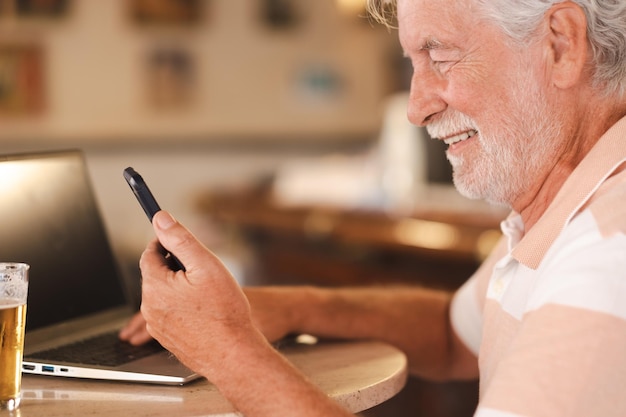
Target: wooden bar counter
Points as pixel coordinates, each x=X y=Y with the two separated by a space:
x=312 y=244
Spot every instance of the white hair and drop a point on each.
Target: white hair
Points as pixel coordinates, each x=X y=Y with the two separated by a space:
x=606 y=30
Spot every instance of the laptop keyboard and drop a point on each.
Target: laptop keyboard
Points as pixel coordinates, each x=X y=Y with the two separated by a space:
x=104 y=350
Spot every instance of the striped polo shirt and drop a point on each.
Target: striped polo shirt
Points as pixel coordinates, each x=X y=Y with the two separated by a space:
x=546 y=312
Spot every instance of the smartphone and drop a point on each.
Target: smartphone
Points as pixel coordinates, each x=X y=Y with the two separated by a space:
x=150 y=207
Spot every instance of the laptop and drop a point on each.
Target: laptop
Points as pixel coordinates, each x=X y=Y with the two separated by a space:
x=76 y=295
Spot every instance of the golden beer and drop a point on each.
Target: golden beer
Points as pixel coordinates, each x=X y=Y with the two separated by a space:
x=12 y=322
x=13 y=289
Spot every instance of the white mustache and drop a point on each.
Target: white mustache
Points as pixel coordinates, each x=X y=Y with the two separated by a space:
x=450 y=124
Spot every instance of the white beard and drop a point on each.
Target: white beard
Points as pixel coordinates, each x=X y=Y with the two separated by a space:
x=516 y=151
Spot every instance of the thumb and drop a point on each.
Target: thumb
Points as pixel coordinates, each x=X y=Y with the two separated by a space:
x=175 y=238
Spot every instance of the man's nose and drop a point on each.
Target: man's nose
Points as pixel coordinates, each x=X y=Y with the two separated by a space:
x=425 y=100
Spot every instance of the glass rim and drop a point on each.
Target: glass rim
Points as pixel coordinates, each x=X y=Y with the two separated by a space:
x=14 y=265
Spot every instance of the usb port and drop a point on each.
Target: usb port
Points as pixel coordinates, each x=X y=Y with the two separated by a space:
x=46 y=368
x=28 y=367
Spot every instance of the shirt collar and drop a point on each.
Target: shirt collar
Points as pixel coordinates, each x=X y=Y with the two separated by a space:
x=603 y=159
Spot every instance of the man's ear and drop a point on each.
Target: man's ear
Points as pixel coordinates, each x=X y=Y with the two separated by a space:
x=567 y=43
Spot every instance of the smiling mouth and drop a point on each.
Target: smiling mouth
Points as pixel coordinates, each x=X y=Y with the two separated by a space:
x=460 y=137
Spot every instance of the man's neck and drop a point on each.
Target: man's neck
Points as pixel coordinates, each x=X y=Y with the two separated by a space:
x=587 y=132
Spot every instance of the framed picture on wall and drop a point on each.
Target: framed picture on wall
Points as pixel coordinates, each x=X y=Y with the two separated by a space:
x=41 y=8
x=33 y=8
x=21 y=79
x=166 y=12
x=170 y=78
x=280 y=14
x=6 y=8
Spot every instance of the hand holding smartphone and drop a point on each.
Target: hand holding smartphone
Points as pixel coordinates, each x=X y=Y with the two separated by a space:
x=150 y=207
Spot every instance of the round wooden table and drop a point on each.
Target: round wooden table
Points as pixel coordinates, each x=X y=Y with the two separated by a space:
x=358 y=375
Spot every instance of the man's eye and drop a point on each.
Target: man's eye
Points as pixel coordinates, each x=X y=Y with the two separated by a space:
x=442 y=66
x=442 y=59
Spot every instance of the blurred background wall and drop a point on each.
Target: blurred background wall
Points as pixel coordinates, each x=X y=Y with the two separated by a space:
x=204 y=70
x=195 y=94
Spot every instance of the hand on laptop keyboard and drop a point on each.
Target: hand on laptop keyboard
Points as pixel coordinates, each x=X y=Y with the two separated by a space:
x=135 y=331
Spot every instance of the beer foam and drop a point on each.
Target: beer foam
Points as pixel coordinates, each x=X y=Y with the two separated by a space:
x=13 y=289
x=10 y=303
x=14 y=282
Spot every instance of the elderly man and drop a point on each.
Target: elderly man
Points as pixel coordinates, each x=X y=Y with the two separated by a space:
x=530 y=96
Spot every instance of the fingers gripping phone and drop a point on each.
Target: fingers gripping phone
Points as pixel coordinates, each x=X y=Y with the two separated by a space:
x=150 y=207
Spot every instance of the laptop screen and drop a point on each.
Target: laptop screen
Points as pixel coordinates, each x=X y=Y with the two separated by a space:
x=49 y=219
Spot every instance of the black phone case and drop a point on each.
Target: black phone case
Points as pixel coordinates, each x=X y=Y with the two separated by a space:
x=150 y=207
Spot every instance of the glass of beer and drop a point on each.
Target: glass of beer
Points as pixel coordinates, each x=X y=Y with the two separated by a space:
x=13 y=291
